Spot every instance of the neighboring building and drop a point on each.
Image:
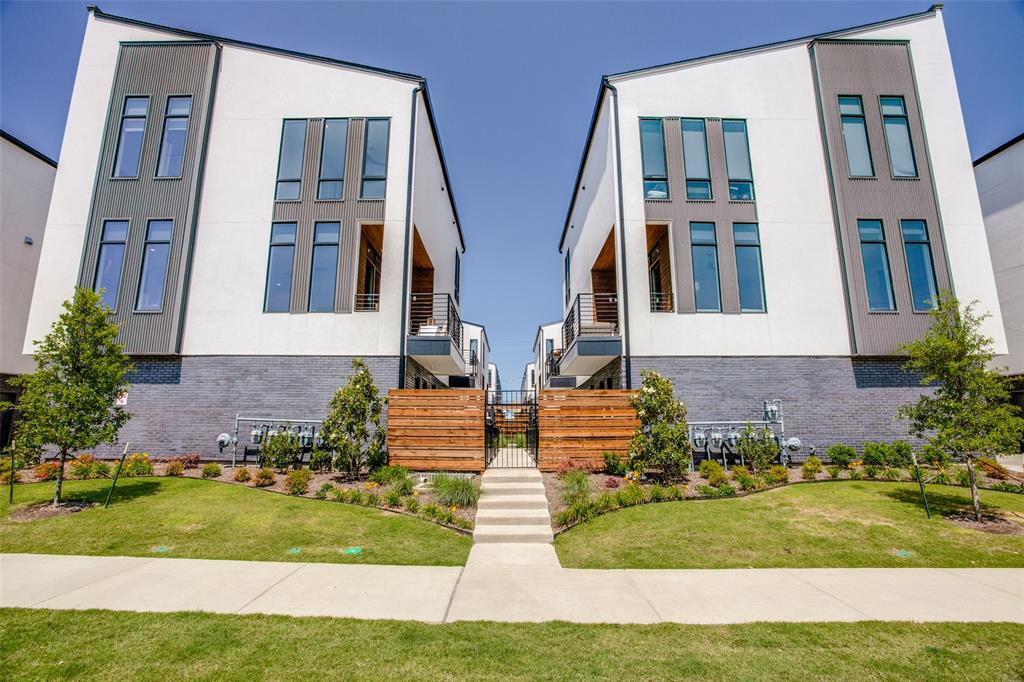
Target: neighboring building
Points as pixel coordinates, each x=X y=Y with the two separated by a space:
x=772 y=223
x=547 y=351
x=529 y=382
x=475 y=349
x=1000 y=177
x=493 y=378
x=256 y=218
x=26 y=181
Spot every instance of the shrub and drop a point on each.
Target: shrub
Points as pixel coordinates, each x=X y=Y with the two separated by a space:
x=993 y=468
x=389 y=474
x=211 y=470
x=631 y=495
x=892 y=474
x=137 y=464
x=811 y=468
x=450 y=490
x=297 y=481
x=6 y=473
x=191 y=460
x=613 y=464
x=579 y=511
x=575 y=487
x=724 y=490
x=840 y=455
x=933 y=456
x=371 y=500
x=662 y=441
x=463 y=522
x=265 y=478
x=718 y=477
x=1007 y=487
x=175 y=468
x=279 y=450
x=744 y=480
x=707 y=466
x=87 y=466
x=833 y=472
x=611 y=483
x=392 y=498
x=674 y=492
x=777 y=475
x=605 y=502
x=411 y=504
x=242 y=475
x=878 y=454
x=352 y=426
x=323 y=491
x=942 y=477
x=901 y=454
x=403 y=486
x=963 y=477
x=431 y=511
x=758 y=447
x=656 y=493
x=320 y=460
x=871 y=471
x=355 y=496
x=856 y=474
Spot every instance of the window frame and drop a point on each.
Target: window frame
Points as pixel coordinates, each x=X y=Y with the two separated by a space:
x=142 y=266
x=931 y=262
x=750 y=163
x=566 y=273
x=270 y=255
x=458 y=275
x=321 y=179
x=120 y=136
x=718 y=265
x=314 y=243
x=280 y=149
x=867 y=135
x=687 y=178
x=99 y=253
x=888 y=267
x=363 y=177
x=163 y=133
x=645 y=177
x=760 y=260
x=910 y=138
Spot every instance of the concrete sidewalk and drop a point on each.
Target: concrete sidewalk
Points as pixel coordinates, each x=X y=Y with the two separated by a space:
x=511 y=583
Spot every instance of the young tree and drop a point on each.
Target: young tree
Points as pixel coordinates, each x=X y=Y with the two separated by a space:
x=68 y=402
x=662 y=441
x=969 y=414
x=352 y=426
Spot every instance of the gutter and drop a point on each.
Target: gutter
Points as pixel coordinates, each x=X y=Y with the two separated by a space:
x=606 y=84
x=408 y=236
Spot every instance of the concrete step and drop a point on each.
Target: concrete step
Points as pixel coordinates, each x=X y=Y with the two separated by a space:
x=510 y=533
x=506 y=517
x=512 y=476
x=512 y=502
x=516 y=488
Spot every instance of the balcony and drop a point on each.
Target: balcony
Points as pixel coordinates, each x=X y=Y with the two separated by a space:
x=590 y=334
x=435 y=334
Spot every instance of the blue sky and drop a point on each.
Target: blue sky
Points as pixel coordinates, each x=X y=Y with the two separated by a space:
x=513 y=85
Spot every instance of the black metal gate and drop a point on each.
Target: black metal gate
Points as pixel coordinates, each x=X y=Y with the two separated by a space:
x=510 y=429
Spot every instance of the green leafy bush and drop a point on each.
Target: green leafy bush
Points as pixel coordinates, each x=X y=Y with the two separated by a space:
x=872 y=470
x=744 y=479
x=662 y=441
x=339 y=495
x=211 y=470
x=371 y=499
x=575 y=486
x=355 y=496
x=877 y=454
x=463 y=522
x=1007 y=487
x=242 y=475
x=431 y=511
x=675 y=492
x=630 y=495
x=265 y=478
x=137 y=464
x=411 y=504
x=87 y=467
x=613 y=465
x=450 y=490
x=856 y=474
x=352 y=427
x=386 y=475
x=297 y=481
x=892 y=474
x=963 y=477
x=175 y=468
x=403 y=486
x=656 y=493
x=901 y=454
x=392 y=498
x=724 y=490
x=320 y=460
x=280 y=450
x=323 y=491
x=942 y=476
x=605 y=502
x=758 y=448
x=811 y=468
x=934 y=456
x=777 y=475
x=706 y=466
x=833 y=471
x=579 y=511
x=840 y=455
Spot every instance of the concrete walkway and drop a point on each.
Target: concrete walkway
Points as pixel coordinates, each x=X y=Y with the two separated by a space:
x=512 y=507
x=511 y=582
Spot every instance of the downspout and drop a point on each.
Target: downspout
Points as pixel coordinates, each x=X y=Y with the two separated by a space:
x=622 y=236
x=408 y=239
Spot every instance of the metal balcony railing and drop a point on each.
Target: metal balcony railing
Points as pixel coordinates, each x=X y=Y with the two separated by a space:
x=591 y=315
x=661 y=302
x=435 y=315
x=551 y=363
x=367 y=302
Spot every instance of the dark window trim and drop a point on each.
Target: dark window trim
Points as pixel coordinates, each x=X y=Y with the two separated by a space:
x=280 y=149
x=707 y=160
x=750 y=163
x=146 y=241
x=910 y=138
x=566 y=272
x=344 y=159
x=458 y=275
x=643 y=161
x=312 y=257
x=718 y=266
x=931 y=261
x=163 y=132
x=120 y=132
x=760 y=258
x=867 y=137
x=888 y=267
x=270 y=251
x=99 y=250
x=363 y=177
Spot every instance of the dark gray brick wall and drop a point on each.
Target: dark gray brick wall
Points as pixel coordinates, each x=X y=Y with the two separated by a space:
x=824 y=399
x=612 y=372
x=179 y=405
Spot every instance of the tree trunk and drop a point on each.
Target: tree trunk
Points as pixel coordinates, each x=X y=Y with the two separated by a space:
x=60 y=480
x=974 y=488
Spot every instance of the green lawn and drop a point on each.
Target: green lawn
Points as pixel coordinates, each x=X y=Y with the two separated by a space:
x=203 y=519
x=85 y=645
x=846 y=524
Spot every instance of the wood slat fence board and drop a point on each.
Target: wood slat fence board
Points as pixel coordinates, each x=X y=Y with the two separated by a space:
x=581 y=425
x=436 y=430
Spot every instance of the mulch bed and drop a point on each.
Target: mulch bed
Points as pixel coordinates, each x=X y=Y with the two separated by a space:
x=997 y=525
x=46 y=510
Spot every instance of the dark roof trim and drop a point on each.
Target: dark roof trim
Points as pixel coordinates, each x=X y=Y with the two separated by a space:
x=1001 y=148
x=606 y=80
x=28 y=148
x=323 y=60
x=483 y=330
x=254 y=46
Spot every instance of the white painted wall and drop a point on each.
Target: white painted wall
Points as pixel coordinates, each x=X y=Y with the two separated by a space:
x=529 y=381
x=471 y=331
x=26 y=182
x=1001 y=190
x=553 y=331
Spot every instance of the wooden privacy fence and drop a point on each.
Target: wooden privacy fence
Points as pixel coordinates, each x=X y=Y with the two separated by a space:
x=580 y=426
x=436 y=430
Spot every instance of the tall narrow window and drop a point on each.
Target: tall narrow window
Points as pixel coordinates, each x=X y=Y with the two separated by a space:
x=897 y=137
x=130 y=137
x=110 y=259
x=458 y=276
x=695 y=159
x=855 y=137
x=918 y=250
x=154 y=266
x=289 y=165
x=652 y=154
x=474 y=345
x=566 y=276
x=375 y=159
x=279 y=268
x=323 y=276
x=737 y=160
x=749 y=273
x=549 y=346
x=659 y=269
x=704 y=249
x=876 y=265
x=332 y=159
x=172 y=143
